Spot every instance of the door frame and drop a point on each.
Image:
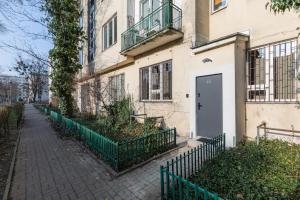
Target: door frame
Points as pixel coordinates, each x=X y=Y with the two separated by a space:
x=195 y=101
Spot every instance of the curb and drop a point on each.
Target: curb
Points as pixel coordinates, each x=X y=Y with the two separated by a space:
x=178 y=146
x=11 y=169
x=113 y=173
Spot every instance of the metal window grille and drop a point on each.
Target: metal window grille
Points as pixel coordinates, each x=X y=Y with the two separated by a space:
x=272 y=73
x=117 y=87
x=85 y=97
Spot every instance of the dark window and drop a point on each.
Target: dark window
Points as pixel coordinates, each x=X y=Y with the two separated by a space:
x=115 y=29
x=144 y=83
x=167 y=81
x=271 y=72
x=91 y=31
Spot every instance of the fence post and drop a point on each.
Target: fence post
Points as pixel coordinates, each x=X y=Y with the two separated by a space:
x=162 y=183
x=167 y=180
x=117 y=156
x=265 y=131
x=257 y=136
x=175 y=133
x=224 y=142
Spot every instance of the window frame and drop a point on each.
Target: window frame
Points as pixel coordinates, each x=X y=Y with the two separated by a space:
x=81 y=16
x=269 y=86
x=151 y=91
x=91 y=48
x=114 y=33
x=212 y=10
x=81 y=56
x=122 y=89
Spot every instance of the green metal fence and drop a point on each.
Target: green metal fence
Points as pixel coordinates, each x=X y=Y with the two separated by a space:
x=174 y=176
x=42 y=108
x=144 y=147
x=118 y=155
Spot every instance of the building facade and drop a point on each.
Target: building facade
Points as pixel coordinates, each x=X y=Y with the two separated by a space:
x=207 y=67
x=12 y=89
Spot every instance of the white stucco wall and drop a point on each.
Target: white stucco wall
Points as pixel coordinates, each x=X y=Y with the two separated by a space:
x=283 y=116
x=222 y=63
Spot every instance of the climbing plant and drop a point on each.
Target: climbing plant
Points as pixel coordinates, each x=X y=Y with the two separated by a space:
x=63 y=25
x=283 y=5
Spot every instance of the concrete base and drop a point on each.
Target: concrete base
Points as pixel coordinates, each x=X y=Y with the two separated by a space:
x=192 y=143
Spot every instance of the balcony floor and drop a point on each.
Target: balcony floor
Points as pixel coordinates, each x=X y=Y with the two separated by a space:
x=159 y=39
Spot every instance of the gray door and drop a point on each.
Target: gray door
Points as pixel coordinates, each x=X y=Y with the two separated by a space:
x=209 y=111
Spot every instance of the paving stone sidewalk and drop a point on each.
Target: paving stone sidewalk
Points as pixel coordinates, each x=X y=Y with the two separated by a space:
x=48 y=167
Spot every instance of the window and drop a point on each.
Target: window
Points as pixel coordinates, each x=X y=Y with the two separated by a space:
x=148 y=6
x=81 y=61
x=156 y=82
x=81 y=19
x=116 y=87
x=85 y=98
x=110 y=34
x=91 y=31
x=81 y=14
x=271 y=73
x=218 y=4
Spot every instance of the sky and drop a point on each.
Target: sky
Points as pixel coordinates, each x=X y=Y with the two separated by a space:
x=15 y=35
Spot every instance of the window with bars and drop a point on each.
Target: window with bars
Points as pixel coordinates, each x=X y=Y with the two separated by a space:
x=156 y=82
x=91 y=31
x=117 y=87
x=85 y=97
x=272 y=72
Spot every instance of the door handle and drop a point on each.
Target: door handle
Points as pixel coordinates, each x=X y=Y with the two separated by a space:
x=199 y=106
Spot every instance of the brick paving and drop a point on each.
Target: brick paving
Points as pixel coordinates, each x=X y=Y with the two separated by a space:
x=48 y=167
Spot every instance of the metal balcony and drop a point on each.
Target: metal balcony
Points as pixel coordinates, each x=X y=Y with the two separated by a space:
x=160 y=27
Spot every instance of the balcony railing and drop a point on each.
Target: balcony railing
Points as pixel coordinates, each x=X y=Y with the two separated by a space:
x=167 y=16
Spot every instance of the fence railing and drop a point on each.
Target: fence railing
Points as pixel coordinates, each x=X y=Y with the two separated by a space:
x=146 y=146
x=42 y=108
x=166 y=16
x=174 y=176
x=287 y=135
x=118 y=155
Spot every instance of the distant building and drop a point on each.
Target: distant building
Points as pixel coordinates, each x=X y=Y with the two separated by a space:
x=12 y=89
x=43 y=92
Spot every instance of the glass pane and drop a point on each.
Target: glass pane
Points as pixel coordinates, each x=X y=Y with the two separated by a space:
x=218 y=4
x=145 y=8
x=155 y=82
x=145 y=84
x=257 y=67
x=167 y=81
x=284 y=71
x=155 y=4
x=115 y=29
x=110 y=33
x=105 y=37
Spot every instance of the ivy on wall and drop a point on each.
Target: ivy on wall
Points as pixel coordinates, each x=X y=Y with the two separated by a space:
x=63 y=25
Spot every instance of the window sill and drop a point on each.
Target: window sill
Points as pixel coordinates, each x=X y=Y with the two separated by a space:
x=273 y=102
x=156 y=101
x=103 y=50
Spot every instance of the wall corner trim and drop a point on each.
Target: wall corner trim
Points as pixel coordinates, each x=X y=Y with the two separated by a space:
x=220 y=42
